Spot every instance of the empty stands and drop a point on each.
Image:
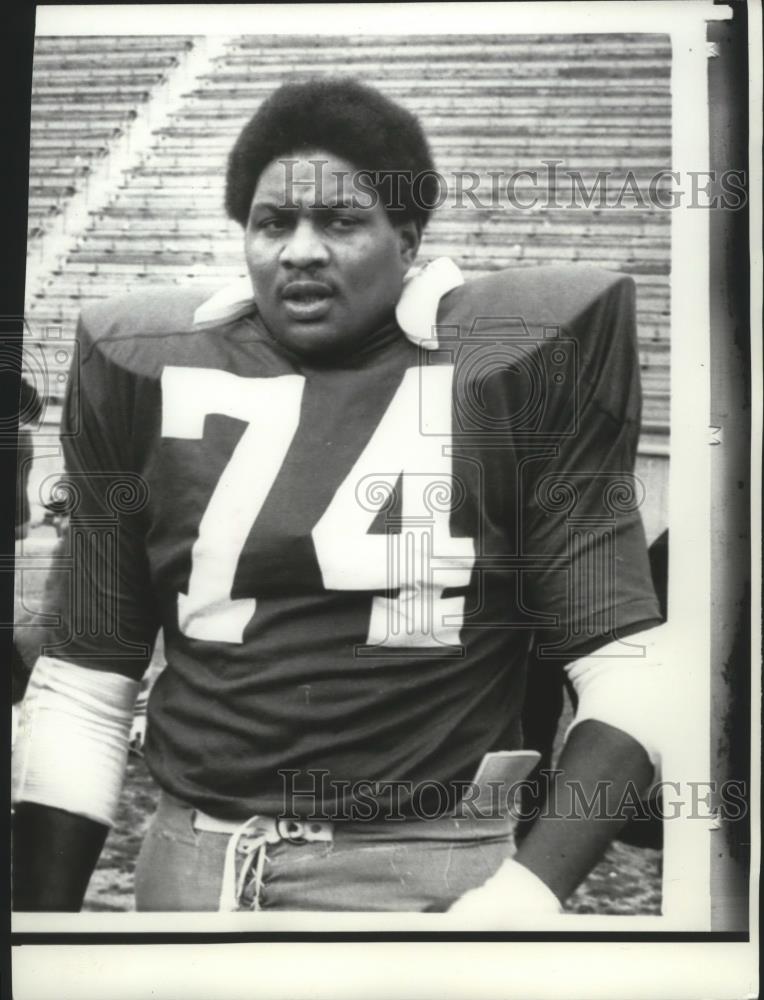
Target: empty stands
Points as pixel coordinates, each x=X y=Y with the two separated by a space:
x=84 y=95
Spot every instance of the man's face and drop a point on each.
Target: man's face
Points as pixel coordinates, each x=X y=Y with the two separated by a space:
x=326 y=266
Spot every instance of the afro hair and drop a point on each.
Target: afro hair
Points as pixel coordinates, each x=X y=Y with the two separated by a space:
x=349 y=120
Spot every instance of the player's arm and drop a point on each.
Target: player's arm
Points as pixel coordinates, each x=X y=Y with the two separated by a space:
x=561 y=852
x=587 y=478
x=68 y=768
x=72 y=743
x=55 y=851
x=610 y=755
x=54 y=854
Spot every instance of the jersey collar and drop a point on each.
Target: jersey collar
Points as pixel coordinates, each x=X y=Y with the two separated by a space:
x=416 y=312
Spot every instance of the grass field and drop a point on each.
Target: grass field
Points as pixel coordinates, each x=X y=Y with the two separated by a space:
x=626 y=881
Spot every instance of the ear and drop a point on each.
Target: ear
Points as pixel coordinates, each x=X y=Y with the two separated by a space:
x=409 y=238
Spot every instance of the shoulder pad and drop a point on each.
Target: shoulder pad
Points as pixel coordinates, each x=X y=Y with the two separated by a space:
x=539 y=296
x=142 y=332
x=144 y=314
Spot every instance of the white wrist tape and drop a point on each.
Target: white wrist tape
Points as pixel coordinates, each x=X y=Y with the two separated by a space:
x=627 y=693
x=72 y=741
x=514 y=891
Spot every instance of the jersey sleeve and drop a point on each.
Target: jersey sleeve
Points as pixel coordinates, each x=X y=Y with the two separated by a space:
x=589 y=580
x=100 y=588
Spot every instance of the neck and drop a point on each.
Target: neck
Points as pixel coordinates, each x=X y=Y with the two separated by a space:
x=344 y=356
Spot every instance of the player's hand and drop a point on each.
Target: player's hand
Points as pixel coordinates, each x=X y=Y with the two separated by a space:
x=513 y=897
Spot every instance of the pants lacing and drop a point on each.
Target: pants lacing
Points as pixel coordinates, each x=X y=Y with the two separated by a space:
x=248 y=844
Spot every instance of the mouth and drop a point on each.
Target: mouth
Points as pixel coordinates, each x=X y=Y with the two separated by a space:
x=307 y=301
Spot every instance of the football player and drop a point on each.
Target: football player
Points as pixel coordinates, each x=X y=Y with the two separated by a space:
x=350 y=493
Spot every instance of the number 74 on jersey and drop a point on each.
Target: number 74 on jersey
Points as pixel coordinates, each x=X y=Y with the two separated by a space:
x=417 y=562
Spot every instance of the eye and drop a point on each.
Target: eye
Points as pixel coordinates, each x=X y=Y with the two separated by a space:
x=342 y=223
x=271 y=225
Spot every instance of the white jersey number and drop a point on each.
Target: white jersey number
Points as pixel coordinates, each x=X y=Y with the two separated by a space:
x=416 y=556
x=188 y=396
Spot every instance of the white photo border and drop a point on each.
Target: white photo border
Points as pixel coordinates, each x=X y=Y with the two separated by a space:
x=687 y=853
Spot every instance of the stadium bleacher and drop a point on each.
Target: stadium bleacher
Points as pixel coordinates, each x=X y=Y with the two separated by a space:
x=495 y=103
x=84 y=94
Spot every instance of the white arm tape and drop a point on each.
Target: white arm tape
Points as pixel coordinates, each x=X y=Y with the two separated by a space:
x=512 y=890
x=626 y=692
x=72 y=742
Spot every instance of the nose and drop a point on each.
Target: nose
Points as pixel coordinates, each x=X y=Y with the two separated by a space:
x=304 y=247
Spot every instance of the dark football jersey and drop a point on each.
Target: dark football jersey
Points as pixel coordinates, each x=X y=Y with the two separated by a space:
x=350 y=563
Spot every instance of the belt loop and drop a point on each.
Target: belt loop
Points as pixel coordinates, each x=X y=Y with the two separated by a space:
x=290 y=829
